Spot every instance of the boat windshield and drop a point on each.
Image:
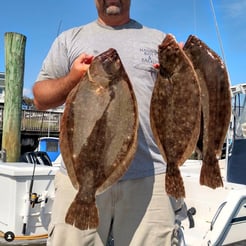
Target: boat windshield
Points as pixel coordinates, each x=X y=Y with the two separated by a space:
x=239 y=112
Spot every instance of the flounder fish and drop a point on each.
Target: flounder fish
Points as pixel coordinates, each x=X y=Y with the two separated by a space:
x=98 y=134
x=216 y=106
x=175 y=111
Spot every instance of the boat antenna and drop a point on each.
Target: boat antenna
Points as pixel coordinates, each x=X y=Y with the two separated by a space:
x=224 y=59
x=59 y=28
x=219 y=38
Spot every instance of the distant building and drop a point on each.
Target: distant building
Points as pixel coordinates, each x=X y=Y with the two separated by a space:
x=2 y=87
x=59 y=109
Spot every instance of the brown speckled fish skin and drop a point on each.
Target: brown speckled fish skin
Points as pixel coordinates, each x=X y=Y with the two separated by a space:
x=98 y=134
x=216 y=106
x=175 y=111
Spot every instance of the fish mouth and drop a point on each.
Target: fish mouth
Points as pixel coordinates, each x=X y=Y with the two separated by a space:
x=109 y=56
x=110 y=62
x=168 y=41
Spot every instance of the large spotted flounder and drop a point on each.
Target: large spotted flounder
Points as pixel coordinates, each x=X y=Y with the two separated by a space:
x=216 y=107
x=98 y=134
x=175 y=111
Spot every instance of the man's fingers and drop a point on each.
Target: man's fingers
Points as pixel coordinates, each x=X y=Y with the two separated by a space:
x=88 y=59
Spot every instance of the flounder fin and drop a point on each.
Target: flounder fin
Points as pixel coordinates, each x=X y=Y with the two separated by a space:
x=82 y=215
x=210 y=174
x=174 y=182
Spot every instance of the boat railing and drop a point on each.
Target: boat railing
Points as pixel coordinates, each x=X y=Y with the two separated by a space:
x=37 y=121
x=228 y=221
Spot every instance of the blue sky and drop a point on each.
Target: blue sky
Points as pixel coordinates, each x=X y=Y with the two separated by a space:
x=40 y=21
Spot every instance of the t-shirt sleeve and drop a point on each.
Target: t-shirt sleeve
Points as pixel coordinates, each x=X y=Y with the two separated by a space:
x=56 y=64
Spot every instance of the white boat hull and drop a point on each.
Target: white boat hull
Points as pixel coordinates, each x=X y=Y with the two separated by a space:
x=17 y=214
x=230 y=225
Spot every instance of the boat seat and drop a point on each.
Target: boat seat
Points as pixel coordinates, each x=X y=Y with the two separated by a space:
x=236 y=163
x=36 y=157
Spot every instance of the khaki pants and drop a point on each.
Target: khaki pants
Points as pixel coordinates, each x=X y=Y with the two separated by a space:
x=138 y=212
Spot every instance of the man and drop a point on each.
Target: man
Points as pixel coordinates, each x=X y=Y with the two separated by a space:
x=136 y=210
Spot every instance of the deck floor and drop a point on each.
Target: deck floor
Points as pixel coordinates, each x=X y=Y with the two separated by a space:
x=43 y=243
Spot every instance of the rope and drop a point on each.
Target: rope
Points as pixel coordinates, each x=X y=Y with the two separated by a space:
x=30 y=237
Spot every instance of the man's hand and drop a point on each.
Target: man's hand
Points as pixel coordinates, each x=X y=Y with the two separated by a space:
x=80 y=66
x=51 y=93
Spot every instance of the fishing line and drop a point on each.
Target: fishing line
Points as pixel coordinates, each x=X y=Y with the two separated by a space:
x=219 y=37
x=217 y=31
x=224 y=59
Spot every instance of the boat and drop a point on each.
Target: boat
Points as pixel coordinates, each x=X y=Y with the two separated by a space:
x=50 y=145
x=27 y=195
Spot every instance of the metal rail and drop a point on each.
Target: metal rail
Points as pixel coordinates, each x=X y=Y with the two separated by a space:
x=37 y=121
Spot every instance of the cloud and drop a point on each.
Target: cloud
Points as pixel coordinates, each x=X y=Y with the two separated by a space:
x=233 y=15
x=234 y=8
x=27 y=92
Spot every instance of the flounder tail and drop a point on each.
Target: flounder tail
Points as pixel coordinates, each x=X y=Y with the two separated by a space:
x=82 y=214
x=174 y=182
x=210 y=173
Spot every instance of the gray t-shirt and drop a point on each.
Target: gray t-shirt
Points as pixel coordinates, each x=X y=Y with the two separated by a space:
x=137 y=47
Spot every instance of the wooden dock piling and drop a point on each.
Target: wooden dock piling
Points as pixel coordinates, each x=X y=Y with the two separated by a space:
x=14 y=75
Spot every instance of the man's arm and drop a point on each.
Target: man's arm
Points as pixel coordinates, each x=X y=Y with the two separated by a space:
x=52 y=93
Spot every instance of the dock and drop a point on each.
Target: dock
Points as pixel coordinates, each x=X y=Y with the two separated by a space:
x=35 y=124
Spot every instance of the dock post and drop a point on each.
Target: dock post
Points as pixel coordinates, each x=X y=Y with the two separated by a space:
x=14 y=75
